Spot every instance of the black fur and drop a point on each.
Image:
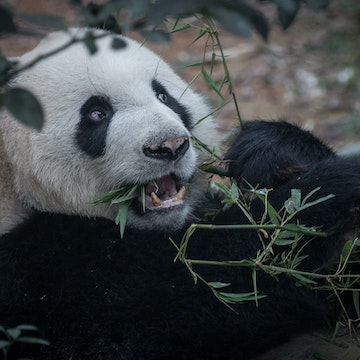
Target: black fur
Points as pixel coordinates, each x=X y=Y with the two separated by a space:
x=269 y=153
x=96 y=296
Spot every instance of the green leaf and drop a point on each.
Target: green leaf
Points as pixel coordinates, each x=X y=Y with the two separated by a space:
x=274 y=216
x=4 y=344
x=143 y=196
x=254 y=17
x=298 y=259
x=132 y=193
x=103 y=11
x=14 y=333
x=317 y=4
x=124 y=197
x=234 y=192
x=137 y=7
x=7 y=24
x=24 y=106
x=214 y=169
x=218 y=285
x=289 y=206
x=26 y=327
x=232 y=21
x=303 y=279
x=347 y=249
x=50 y=21
x=296 y=197
x=285 y=239
x=287 y=11
x=157 y=36
x=180 y=28
x=254 y=279
x=211 y=83
x=318 y=201
x=237 y=298
x=202 y=32
x=121 y=217
x=32 y=340
x=90 y=44
x=160 y=9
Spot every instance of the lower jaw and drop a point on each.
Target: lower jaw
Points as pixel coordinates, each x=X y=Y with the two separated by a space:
x=165 y=208
x=163 y=220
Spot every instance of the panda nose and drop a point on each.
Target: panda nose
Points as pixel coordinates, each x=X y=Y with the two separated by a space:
x=171 y=149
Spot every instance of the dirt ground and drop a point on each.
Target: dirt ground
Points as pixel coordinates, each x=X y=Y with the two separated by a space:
x=308 y=74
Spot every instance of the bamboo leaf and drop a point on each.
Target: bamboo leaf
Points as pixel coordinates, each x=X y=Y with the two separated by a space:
x=237 y=298
x=303 y=279
x=254 y=280
x=122 y=216
x=311 y=193
x=218 y=285
x=32 y=340
x=347 y=249
x=287 y=11
x=274 y=216
x=294 y=202
x=14 y=333
x=318 y=201
x=4 y=344
x=26 y=327
x=211 y=83
x=180 y=28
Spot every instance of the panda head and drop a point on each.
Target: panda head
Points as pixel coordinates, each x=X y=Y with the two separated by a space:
x=113 y=119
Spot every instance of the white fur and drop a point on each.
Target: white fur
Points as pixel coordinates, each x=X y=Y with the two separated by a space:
x=50 y=173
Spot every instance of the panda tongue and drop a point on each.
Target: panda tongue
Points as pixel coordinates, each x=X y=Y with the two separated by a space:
x=164 y=194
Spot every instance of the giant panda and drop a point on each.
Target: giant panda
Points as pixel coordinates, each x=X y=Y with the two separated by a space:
x=123 y=117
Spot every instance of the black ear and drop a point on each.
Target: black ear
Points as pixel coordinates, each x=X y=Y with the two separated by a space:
x=268 y=153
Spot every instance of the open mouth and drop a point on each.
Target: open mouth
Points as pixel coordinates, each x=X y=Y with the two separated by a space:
x=164 y=193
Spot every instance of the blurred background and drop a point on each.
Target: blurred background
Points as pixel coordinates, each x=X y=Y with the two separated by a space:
x=308 y=74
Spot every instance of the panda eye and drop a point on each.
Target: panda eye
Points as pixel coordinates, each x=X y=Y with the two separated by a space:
x=165 y=97
x=96 y=110
x=162 y=97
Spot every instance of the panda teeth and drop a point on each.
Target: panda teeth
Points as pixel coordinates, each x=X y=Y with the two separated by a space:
x=179 y=196
x=155 y=199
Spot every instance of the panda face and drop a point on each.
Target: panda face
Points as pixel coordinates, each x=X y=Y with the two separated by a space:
x=113 y=119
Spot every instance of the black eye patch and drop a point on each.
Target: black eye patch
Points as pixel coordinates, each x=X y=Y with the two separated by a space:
x=91 y=132
x=163 y=96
